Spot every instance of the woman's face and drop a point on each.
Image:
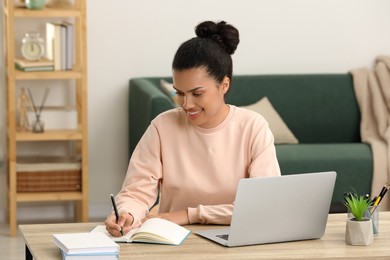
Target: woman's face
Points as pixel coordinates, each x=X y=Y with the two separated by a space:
x=201 y=97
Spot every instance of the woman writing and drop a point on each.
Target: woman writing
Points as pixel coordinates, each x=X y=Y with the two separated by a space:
x=194 y=155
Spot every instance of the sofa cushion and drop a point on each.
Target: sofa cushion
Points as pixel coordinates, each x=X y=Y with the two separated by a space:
x=353 y=163
x=169 y=90
x=281 y=132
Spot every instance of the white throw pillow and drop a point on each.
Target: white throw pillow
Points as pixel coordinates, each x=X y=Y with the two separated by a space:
x=281 y=132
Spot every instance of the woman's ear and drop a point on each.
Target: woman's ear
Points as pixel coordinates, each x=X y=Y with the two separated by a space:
x=225 y=85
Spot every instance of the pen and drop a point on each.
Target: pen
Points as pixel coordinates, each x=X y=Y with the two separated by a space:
x=383 y=192
x=115 y=210
x=373 y=200
x=377 y=201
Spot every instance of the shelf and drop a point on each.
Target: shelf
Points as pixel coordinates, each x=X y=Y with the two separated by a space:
x=43 y=180
x=44 y=163
x=71 y=74
x=22 y=12
x=48 y=196
x=49 y=135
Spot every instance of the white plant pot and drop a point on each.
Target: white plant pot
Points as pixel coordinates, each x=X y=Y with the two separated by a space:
x=359 y=233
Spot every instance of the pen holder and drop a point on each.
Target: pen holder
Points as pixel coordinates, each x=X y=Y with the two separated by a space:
x=373 y=214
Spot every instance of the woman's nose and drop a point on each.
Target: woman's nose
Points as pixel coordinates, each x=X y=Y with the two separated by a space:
x=187 y=102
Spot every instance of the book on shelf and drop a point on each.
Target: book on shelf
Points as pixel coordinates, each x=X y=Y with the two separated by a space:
x=53 y=44
x=60 y=44
x=28 y=69
x=39 y=65
x=49 y=53
x=86 y=243
x=153 y=230
x=63 y=46
x=69 y=54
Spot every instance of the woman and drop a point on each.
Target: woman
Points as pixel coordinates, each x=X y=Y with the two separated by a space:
x=195 y=155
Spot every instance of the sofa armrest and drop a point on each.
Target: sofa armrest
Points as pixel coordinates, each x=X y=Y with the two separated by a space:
x=146 y=101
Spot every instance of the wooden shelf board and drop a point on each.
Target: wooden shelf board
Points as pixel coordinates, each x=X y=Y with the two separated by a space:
x=48 y=196
x=71 y=74
x=49 y=135
x=23 y=12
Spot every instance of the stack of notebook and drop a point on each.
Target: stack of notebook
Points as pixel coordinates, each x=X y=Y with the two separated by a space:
x=84 y=246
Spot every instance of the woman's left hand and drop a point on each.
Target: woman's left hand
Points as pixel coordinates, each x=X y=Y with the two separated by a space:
x=178 y=217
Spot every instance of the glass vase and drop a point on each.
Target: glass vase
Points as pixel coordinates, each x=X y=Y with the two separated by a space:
x=38 y=125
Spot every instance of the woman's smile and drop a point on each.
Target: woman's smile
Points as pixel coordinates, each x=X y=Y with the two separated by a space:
x=194 y=114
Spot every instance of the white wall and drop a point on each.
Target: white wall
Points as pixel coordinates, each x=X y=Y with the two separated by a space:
x=131 y=38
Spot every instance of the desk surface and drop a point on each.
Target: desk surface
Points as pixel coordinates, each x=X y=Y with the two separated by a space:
x=38 y=239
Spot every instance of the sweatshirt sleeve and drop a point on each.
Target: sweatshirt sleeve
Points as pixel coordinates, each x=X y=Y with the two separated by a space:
x=263 y=163
x=211 y=214
x=140 y=187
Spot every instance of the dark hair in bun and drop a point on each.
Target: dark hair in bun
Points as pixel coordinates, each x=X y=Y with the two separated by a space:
x=212 y=49
x=224 y=34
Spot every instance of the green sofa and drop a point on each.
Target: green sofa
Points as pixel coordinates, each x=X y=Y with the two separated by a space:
x=320 y=110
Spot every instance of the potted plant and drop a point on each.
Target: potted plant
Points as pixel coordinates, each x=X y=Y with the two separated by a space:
x=359 y=228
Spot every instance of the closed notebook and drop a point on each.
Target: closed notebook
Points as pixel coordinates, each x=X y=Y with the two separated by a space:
x=153 y=230
x=84 y=243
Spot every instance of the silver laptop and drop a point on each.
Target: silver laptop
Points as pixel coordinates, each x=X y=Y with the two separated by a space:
x=277 y=209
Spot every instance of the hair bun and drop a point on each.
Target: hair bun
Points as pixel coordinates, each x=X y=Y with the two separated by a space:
x=225 y=35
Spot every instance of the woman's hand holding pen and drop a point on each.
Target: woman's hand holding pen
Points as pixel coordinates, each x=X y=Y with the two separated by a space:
x=124 y=224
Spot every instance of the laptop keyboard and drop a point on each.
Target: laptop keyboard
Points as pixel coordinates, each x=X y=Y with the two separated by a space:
x=224 y=236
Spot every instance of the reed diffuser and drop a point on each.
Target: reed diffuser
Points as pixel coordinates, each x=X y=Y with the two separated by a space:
x=38 y=125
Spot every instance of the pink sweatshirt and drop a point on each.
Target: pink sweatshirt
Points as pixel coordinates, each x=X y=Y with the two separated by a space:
x=195 y=168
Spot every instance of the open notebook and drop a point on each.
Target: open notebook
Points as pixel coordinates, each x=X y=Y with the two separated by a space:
x=153 y=230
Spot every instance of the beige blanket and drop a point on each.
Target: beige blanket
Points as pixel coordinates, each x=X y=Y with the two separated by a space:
x=372 y=89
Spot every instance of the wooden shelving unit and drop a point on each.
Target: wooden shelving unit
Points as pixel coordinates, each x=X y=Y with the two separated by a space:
x=79 y=136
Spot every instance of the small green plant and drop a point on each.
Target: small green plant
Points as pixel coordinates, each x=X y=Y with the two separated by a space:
x=357 y=205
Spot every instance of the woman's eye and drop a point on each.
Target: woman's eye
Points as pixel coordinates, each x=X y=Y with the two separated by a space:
x=179 y=93
x=197 y=94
